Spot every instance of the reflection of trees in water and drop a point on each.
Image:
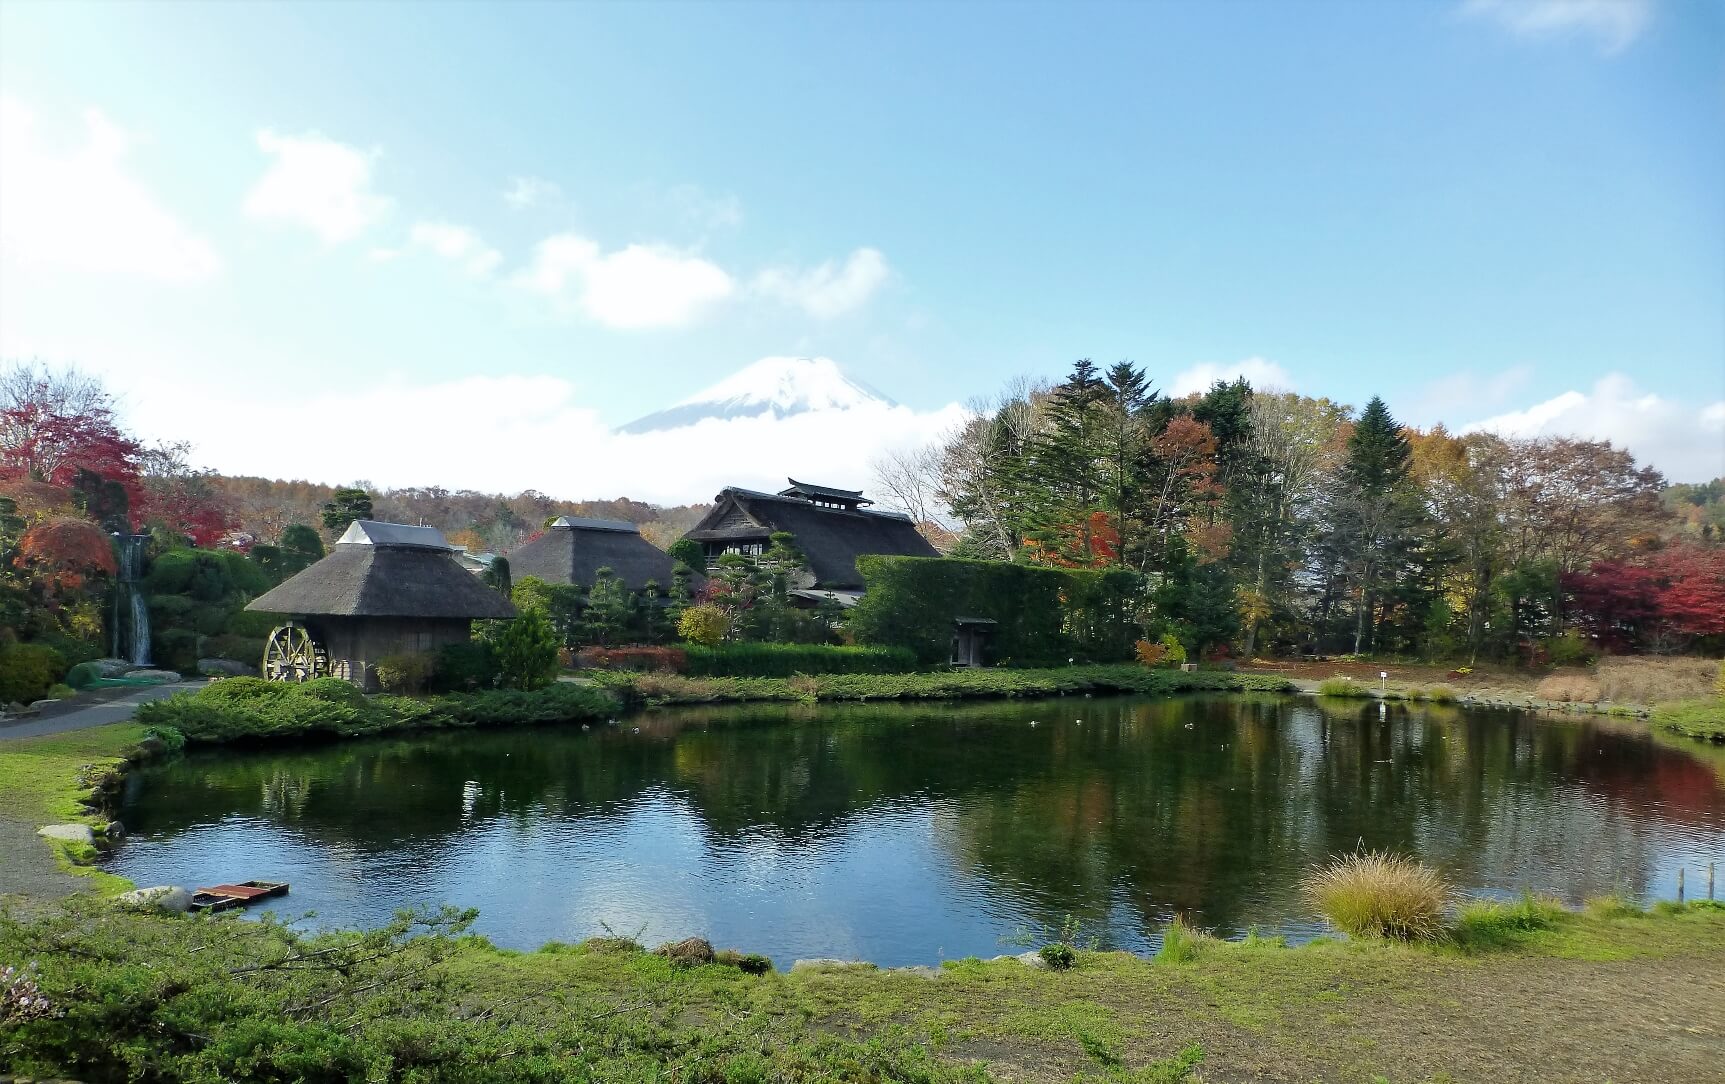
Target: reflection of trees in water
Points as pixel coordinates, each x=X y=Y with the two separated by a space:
x=1208 y=806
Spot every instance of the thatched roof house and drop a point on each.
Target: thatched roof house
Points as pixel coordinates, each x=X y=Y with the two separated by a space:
x=831 y=528
x=384 y=589
x=573 y=549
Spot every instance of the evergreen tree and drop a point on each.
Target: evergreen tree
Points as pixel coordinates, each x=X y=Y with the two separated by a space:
x=1130 y=397
x=345 y=505
x=1069 y=464
x=609 y=609
x=300 y=548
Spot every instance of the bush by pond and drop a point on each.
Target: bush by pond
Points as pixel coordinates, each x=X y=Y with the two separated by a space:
x=948 y=685
x=242 y=709
x=786 y=660
x=1380 y=895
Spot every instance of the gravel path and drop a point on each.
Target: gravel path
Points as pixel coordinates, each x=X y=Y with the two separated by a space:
x=97 y=710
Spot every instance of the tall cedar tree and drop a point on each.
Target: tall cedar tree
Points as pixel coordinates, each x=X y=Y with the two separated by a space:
x=1069 y=460
x=1373 y=512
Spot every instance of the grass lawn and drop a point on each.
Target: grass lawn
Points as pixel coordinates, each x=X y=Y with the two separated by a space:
x=1695 y=718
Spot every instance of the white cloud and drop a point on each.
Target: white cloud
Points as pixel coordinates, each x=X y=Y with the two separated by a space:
x=458 y=244
x=530 y=191
x=828 y=290
x=639 y=286
x=1684 y=440
x=1615 y=24
x=1469 y=391
x=554 y=444
x=318 y=183
x=80 y=208
x=1261 y=374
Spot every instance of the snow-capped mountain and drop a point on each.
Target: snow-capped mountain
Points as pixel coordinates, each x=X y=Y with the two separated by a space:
x=780 y=387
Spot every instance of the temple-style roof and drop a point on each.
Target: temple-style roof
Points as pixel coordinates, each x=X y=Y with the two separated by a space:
x=573 y=549
x=831 y=538
x=821 y=494
x=386 y=570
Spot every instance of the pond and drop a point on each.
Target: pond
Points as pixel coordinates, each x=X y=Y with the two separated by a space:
x=907 y=834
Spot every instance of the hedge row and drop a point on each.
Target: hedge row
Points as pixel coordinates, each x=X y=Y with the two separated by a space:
x=788 y=660
x=661 y=689
x=251 y=709
x=1042 y=616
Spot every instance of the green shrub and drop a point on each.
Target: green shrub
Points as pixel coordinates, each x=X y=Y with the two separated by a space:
x=60 y=691
x=1042 y=615
x=1058 y=955
x=1440 y=694
x=1341 y=686
x=28 y=671
x=785 y=660
x=1379 y=895
x=407 y=673
x=1570 y=649
x=527 y=651
x=246 y=649
x=555 y=703
x=466 y=667
x=750 y=963
x=86 y=675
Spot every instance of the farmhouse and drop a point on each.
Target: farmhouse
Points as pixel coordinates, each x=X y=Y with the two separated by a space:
x=831 y=527
x=573 y=549
x=384 y=589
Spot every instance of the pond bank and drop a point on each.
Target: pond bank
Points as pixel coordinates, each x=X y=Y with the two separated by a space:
x=1613 y=994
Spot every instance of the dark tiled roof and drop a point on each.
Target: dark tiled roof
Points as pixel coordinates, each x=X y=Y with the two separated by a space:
x=831 y=538
x=575 y=553
x=622 y=526
x=814 y=492
x=378 y=579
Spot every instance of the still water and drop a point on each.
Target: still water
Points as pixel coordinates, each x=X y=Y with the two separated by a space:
x=913 y=833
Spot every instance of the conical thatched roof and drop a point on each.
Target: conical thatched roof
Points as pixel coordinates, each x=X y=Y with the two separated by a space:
x=386 y=570
x=573 y=549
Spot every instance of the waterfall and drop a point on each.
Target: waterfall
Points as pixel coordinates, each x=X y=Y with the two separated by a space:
x=131 y=553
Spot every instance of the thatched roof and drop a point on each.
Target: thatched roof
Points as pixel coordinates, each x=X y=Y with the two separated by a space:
x=386 y=570
x=831 y=538
x=574 y=549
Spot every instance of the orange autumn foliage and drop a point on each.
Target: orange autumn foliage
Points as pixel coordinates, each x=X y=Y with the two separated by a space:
x=65 y=551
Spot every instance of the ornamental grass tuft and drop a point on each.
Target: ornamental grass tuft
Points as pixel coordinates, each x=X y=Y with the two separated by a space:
x=1377 y=894
x=1341 y=686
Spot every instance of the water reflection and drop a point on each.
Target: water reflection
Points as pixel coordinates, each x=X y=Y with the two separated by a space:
x=906 y=833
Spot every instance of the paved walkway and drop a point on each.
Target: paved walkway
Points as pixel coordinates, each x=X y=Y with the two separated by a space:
x=85 y=712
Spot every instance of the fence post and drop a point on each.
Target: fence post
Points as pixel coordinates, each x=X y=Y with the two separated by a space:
x=1680 y=884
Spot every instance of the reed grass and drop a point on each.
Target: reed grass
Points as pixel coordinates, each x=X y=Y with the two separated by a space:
x=1377 y=894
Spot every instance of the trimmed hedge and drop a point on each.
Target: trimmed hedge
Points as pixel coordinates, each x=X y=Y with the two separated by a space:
x=252 y=709
x=663 y=689
x=1044 y=616
x=788 y=660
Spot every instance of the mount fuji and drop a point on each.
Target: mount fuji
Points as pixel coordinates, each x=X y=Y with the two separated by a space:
x=779 y=387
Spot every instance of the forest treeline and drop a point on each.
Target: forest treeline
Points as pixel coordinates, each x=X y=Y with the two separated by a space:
x=1268 y=521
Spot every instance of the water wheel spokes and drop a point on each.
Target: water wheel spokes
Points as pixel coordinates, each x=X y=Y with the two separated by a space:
x=291 y=655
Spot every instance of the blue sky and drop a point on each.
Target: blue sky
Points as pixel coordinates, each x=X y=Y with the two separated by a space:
x=560 y=217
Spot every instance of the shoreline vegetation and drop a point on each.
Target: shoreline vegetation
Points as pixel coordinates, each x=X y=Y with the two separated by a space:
x=211 y=998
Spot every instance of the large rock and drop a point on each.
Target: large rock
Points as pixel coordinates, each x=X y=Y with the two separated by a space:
x=171 y=898
x=71 y=833
x=226 y=668
x=154 y=677
x=113 y=668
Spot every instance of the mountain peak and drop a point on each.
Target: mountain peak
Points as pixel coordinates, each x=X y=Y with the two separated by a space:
x=780 y=387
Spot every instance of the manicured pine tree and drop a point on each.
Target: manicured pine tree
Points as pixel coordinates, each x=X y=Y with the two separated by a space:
x=347 y=504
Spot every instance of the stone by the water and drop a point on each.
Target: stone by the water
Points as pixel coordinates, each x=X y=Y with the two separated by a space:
x=71 y=833
x=159 y=677
x=171 y=898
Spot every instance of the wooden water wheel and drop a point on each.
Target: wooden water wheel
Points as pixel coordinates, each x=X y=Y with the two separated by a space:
x=292 y=655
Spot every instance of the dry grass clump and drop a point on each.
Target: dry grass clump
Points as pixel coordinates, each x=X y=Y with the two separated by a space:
x=1378 y=894
x=1572 y=688
x=1639 y=680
